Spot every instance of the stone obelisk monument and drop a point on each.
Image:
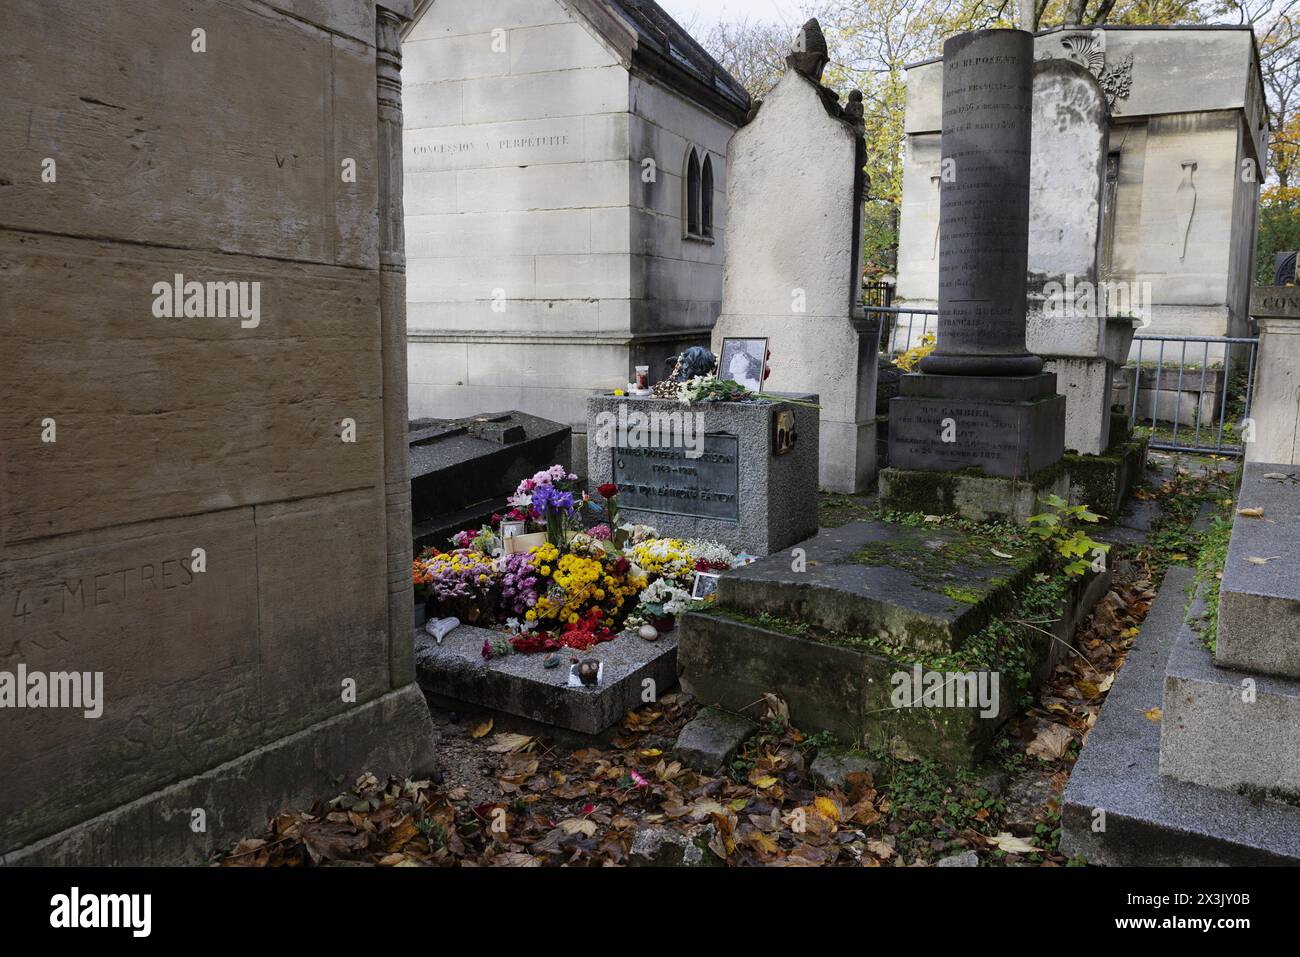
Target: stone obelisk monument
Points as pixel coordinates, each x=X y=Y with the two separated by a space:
x=981 y=405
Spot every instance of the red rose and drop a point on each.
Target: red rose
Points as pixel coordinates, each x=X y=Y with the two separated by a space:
x=621 y=566
x=608 y=490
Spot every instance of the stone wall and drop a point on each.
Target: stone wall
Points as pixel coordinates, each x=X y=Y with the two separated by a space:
x=198 y=529
x=541 y=266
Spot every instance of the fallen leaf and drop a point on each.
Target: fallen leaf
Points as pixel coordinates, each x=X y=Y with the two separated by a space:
x=1251 y=512
x=776 y=708
x=508 y=742
x=1153 y=714
x=829 y=808
x=480 y=731
x=880 y=849
x=578 y=825
x=515 y=860
x=1001 y=554
x=1051 y=741
x=1006 y=841
x=1256 y=560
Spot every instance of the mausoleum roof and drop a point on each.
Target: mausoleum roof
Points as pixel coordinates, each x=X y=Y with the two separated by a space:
x=665 y=49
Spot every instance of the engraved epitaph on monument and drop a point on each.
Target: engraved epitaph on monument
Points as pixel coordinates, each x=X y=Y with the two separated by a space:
x=984 y=205
x=720 y=476
x=669 y=481
x=981 y=400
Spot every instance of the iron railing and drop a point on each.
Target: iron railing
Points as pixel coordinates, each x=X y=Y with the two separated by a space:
x=877 y=294
x=1189 y=405
x=1208 y=401
x=901 y=328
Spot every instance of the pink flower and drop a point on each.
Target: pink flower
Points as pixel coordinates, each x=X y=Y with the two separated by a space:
x=640 y=781
x=601 y=532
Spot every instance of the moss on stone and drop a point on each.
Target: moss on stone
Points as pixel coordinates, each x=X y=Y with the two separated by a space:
x=967 y=596
x=1095 y=479
x=1011 y=644
x=917 y=490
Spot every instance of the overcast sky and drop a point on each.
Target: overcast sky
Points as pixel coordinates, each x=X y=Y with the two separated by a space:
x=699 y=15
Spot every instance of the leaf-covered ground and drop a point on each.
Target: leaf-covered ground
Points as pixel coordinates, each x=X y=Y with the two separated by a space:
x=504 y=798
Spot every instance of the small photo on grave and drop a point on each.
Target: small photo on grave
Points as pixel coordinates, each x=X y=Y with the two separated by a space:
x=706 y=585
x=511 y=529
x=744 y=361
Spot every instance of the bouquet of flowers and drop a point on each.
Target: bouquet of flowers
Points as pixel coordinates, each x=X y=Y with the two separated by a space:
x=555 y=476
x=709 y=388
x=570 y=585
x=554 y=508
x=519 y=584
x=680 y=560
x=462 y=583
x=663 y=598
x=482 y=540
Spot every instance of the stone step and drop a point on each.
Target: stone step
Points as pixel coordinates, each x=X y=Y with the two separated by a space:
x=919 y=589
x=1228 y=729
x=731 y=664
x=1259 y=601
x=1119 y=810
x=951 y=705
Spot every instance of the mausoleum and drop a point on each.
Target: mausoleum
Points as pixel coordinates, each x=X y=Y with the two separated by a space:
x=565 y=184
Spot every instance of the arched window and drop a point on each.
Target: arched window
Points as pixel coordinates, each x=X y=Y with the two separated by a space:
x=692 y=193
x=706 y=198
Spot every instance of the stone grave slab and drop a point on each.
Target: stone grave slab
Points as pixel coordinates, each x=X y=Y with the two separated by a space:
x=711 y=739
x=919 y=588
x=463 y=469
x=875 y=602
x=978 y=497
x=1221 y=732
x=1259 y=605
x=1149 y=819
x=522 y=686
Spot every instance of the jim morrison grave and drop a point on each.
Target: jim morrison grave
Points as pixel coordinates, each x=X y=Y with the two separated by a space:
x=740 y=473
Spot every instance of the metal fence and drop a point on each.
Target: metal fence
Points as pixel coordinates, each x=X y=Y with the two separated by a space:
x=1196 y=404
x=1194 y=393
x=877 y=294
x=901 y=328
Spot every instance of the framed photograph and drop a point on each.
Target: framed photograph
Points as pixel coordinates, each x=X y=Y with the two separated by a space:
x=519 y=544
x=744 y=361
x=706 y=583
x=511 y=529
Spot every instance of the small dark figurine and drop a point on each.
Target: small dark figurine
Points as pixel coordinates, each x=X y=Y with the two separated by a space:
x=696 y=360
x=588 y=671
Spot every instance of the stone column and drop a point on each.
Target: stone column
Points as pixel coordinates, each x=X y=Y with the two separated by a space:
x=1275 y=405
x=984 y=206
x=392 y=311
